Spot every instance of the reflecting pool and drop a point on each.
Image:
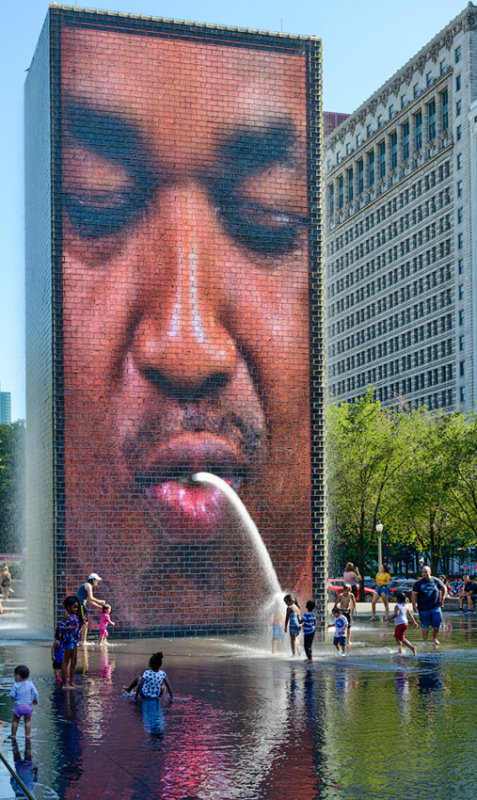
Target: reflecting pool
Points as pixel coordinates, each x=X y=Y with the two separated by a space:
x=248 y=726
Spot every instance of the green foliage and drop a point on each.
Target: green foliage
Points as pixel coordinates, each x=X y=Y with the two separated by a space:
x=12 y=487
x=416 y=472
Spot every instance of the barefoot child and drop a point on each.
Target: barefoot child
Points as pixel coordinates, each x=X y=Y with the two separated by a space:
x=103 y=625
x=57 y=654
x=24 y=696
x=347 y=602
x=291 y=620
x=340 y=625
x=277 y=623
x=69 y=630
x=308 y=620
x=401 y=613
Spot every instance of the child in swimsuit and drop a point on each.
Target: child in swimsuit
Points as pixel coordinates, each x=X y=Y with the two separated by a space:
x=103 y=625
x=292 y=621
x=24 y=696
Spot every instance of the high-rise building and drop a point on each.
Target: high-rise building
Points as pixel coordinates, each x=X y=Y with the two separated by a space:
x=401 y=206
x=5 y=408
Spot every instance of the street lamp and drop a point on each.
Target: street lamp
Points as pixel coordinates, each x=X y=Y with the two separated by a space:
x=379 y=530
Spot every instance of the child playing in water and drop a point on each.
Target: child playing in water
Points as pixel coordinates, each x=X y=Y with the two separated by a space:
x=152 y=681
x=401 y=613
x=340 y=625
x=308 y=621
x=57 y=654
x=277 y=622
x=292 y=620
x=104 y=622
x=69 y=630
x=24 y=696
x=347 y=603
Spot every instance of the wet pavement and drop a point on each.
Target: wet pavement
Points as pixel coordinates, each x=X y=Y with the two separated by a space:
x=248 y=726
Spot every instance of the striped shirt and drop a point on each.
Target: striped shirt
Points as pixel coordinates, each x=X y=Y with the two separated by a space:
x=309 y=622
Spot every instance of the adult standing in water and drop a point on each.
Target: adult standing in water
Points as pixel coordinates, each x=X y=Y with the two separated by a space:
x=428 y=595
x=86 y=598
x=352 y=576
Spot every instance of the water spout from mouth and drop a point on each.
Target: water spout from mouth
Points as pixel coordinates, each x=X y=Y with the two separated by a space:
x=248 y=526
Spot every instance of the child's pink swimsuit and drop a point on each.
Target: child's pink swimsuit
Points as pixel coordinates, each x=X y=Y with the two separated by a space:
x=103 y=625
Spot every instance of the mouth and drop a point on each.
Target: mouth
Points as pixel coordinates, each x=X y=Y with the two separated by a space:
x=184 y=510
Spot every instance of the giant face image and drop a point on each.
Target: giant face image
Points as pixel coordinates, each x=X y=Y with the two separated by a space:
x=185 y=321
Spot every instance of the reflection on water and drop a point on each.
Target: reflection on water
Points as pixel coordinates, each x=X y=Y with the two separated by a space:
x=247 y=726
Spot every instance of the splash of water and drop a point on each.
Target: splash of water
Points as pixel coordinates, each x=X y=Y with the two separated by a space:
x=248 y=527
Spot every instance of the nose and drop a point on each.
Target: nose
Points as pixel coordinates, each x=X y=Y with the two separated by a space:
x=181 y=341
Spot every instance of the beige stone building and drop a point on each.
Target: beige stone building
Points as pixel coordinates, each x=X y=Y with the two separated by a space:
x=401 y=206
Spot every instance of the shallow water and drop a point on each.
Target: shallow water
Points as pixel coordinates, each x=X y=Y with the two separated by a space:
x=249 y=726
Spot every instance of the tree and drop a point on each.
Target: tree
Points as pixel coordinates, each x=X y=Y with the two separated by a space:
x=366 y=447
x=12 y=487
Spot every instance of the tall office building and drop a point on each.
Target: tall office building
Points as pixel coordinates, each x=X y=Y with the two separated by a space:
x=401 y=265
x=5 y=408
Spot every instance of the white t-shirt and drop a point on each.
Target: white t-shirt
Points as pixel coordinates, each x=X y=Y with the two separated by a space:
x=401 y=618
x=152 y=683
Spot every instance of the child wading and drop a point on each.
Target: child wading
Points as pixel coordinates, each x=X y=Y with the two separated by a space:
x=103 y=625
x=69 y=630
x=292 y=620
x=152 y=682
x=57 y=654
x=308 y=621
x=347 y=603
x=340 y=625
x=401 y=613
x=24 y=696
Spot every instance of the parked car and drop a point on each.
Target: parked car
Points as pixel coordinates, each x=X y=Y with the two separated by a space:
x=403 y=585
x=336 y=587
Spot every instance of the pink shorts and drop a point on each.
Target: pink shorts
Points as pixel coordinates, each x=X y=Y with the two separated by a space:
x=399 y=631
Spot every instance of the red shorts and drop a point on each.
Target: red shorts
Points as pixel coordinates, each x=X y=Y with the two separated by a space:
x=399 y=631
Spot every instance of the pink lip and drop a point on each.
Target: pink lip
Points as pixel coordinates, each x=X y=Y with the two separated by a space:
x=189 y=512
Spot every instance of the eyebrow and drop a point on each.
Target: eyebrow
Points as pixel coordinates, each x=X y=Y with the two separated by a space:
x=108 y=135
x=250 y=150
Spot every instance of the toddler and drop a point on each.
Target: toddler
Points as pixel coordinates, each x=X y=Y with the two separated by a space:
x=104 y=622
x=340 y=625
x=24 y=696
x=57 y=654
x=308 y=620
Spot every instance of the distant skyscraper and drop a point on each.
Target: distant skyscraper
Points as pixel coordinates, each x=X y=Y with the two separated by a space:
x=401 y=217
x=5 y=408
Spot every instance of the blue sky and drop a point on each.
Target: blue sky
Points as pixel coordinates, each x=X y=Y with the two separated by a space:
x=364 y=43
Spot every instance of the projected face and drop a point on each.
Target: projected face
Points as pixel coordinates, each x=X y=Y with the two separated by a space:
x=185 y=318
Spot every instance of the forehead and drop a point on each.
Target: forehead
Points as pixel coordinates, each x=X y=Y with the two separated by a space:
x=179 y=84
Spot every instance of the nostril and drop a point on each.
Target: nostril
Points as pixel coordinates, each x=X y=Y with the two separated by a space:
x=210 y=386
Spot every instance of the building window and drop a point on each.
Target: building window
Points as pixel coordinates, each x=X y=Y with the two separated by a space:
x=338 y=157
x=405 y=141
x=462 y=369
x=382 y=159
x=380 y=121
x=431 y=120
x=371 y=168
x=429 y=79
x=462 y=343
x=461 y=266
x=443 y=67
x=403 y=100
x=458 y=108
x=360 y=176
x=460 y=188
x=460 y=241
x=461 y=291
x=460 y=215
x=350 y=185
x=340 y=192
x=461 y=316
x=459 y=161
x=458 y=54
x=445 y=110
x=458 y=82
x=358 y=139
x=391 y=111
x=348 y=148
x=369 y=131
x=418 y=131
x=462 y=394
x=394 y=150
x=415 y=90
x=459 y=132
x=331 y=199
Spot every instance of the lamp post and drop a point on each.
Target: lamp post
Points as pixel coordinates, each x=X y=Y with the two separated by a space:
x=379 y=530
